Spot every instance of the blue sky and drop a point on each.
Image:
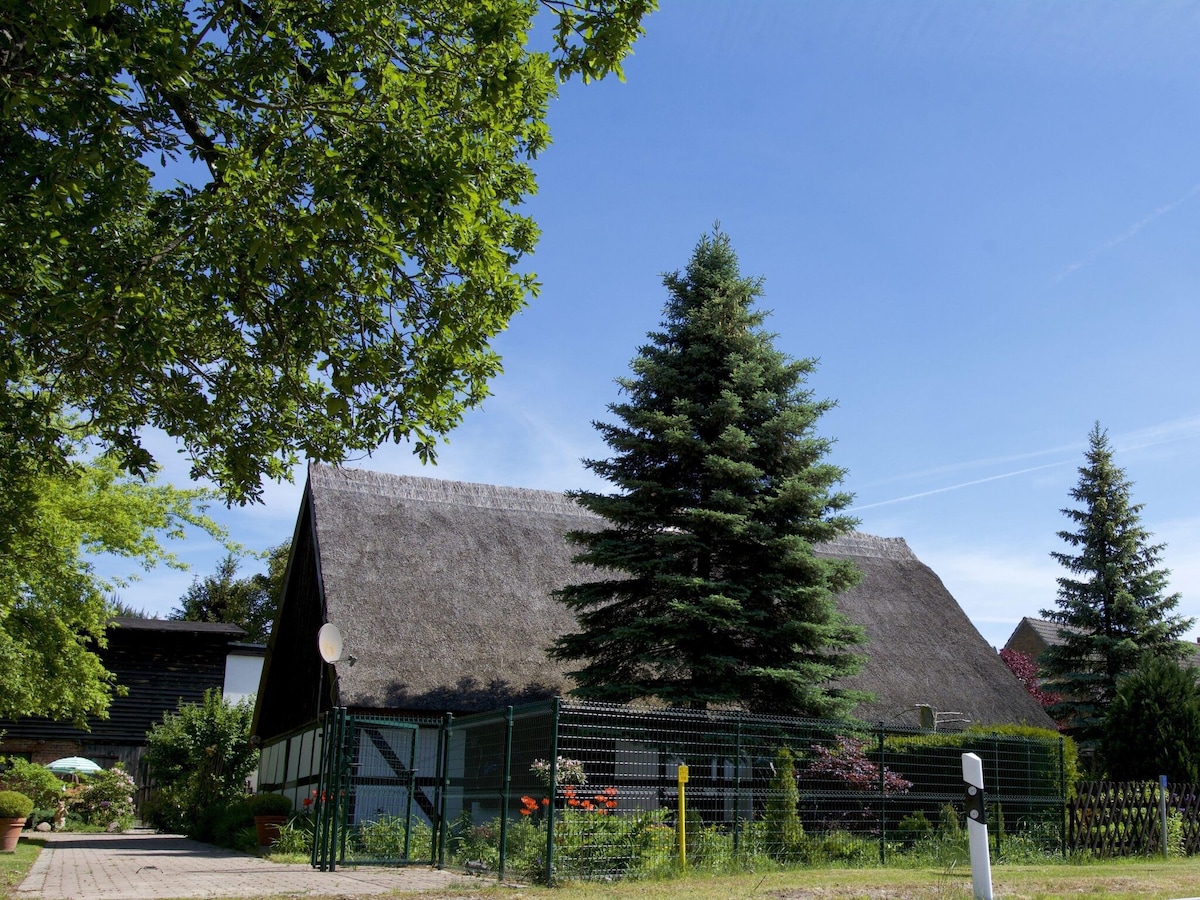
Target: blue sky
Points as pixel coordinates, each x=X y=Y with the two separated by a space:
x=982 y=218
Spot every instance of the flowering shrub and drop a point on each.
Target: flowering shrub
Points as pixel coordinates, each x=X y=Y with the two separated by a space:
x=1023 y=666
x=570 y=771
x=105 y=798
x=846 y=763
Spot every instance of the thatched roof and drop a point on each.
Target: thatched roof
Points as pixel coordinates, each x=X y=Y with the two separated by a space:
x=442 y=594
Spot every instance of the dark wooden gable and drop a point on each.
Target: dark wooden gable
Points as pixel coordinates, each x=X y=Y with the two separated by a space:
x=160 y=664
x=292 y=679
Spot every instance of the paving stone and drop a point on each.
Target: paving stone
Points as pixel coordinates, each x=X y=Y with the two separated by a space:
x=147 y=866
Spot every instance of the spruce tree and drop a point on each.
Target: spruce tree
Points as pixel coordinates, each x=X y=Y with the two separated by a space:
x=707 y=589
x=1113 y=609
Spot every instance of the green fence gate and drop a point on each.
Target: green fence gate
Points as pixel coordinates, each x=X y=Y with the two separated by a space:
x=367 y=791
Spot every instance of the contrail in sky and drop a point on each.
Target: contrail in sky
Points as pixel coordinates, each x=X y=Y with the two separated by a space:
x=1130 y=232
x=1167 y=432
x=955 y=487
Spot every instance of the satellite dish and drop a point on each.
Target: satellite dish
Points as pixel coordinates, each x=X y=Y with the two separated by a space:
x=329 y=642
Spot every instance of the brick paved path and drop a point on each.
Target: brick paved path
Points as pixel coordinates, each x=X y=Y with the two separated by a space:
x=144 y=866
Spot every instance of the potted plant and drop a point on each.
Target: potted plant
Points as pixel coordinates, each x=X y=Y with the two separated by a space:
x=14 y=810
x=270 y=811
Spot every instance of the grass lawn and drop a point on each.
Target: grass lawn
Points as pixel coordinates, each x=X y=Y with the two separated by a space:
x=1130 y=879
x=14 y=866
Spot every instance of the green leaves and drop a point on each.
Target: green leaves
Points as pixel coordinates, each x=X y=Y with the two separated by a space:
x=357 y=171
x=53 y=611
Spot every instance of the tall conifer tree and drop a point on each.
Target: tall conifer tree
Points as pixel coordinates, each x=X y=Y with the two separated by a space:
x=708 y=592
x=1113 y=609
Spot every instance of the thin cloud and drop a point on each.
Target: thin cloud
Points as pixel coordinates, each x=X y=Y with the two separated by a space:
x=956 y=487
x=1169 y=432
x=1126 y=235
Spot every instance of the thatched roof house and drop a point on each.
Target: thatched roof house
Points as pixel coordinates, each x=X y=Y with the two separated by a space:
x=441 y=591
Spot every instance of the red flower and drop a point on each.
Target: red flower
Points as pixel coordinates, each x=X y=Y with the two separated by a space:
x=545 y=801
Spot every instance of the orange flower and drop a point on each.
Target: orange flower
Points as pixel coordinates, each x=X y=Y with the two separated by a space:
x=610 y=791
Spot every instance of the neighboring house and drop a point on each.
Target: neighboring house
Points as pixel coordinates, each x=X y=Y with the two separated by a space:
x=442 y=593
x=1033 y=636
x=160 y=664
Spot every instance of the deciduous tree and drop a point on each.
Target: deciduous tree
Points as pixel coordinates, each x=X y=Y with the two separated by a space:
x=707 y=589
x=269 y=229
x=53 y=611
x=1113 y=607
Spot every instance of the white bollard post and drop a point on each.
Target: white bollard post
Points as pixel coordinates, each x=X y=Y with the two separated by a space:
x=981 y=862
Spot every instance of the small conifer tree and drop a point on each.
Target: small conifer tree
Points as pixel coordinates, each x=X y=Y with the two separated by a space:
x=1113 y=609
x=708 y=591
x=781 y=820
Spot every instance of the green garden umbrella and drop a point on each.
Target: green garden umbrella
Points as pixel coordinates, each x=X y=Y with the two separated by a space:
x=75 y=765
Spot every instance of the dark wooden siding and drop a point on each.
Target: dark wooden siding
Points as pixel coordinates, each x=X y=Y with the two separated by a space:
x=292 y=671
x=159 y=666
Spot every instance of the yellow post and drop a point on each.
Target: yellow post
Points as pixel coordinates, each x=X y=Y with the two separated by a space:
x=683 y=777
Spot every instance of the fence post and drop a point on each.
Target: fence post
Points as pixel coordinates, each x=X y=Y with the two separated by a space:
x=1062 y=792
x=1162 y=810
x=737 y=785
x=996 y=769
x=555 y=710
x=447 y=730
x=681 y=779
x=506 y=790
x=882 y=802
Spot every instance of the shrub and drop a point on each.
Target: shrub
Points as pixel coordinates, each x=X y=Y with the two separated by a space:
x=842 y=848
x=106 y=797
x=383 y=837
x=295 y=837
x=221 y=823
x=1053 y=757
x=914 y=828
x=200 y=756
x=14 y=805
x=1153 y=724
x=269 y=804
x=36 y=782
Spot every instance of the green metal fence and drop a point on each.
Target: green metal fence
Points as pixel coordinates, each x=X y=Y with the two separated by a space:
x=561 y=790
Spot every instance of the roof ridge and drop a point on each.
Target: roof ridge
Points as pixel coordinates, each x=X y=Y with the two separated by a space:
x=872 y=546
x=439 y=490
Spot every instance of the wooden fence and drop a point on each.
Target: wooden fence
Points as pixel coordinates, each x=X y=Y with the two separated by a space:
x=1109 y=818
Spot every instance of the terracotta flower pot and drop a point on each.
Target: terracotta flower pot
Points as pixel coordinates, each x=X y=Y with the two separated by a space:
x=10 y=833
x=267 y=828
